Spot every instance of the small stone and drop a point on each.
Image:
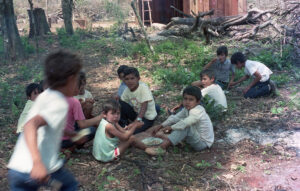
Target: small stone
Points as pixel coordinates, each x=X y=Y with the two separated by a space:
x=293 y=177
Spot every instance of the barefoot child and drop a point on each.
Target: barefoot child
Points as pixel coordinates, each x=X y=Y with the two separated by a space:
x=191 y=124
x=35 y=160
x=111 y=140
x=32 y=91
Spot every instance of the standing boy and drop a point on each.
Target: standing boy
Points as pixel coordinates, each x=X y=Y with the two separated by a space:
x=260 y=85
x=35 y=160
x=137 y=102
x=221 y=67
x=191 y=124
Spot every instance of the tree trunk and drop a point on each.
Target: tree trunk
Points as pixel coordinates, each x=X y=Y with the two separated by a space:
x=13 y=47
x=40 y=21
x=67 y=15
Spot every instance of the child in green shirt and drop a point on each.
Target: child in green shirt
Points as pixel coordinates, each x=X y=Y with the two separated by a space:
x=111 y=140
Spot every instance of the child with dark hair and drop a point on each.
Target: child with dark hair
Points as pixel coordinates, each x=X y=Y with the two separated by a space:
x=43 y=85
x=261 y=84
x=122 y=86
x=191 y=124
x=83 y=93
x=32 y=91
x=137 y=102
x=211 y=89
x=75 y=136
x=35 y=160
x=221 y=67
x=85 y=97
x=111 y=139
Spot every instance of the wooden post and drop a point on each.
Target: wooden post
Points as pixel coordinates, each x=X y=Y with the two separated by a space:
x=142 y=27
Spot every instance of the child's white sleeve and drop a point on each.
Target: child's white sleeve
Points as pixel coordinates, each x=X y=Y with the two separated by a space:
x=174 y=118
x=194 y=117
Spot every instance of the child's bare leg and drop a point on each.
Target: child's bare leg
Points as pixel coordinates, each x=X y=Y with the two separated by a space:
x=131 y=141
x=138 y=143
x=165 y=144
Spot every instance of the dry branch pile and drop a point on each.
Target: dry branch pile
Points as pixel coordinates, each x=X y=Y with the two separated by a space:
x=278 y=23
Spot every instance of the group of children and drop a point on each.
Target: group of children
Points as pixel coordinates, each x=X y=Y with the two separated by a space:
x=59 y=117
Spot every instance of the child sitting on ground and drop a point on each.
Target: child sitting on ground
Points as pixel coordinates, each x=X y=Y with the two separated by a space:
x=221 y=67
x=75 y=114
x=137 y=102
x=212 y=90
x=122 y=86
x=35 y=160
x=85 y=97
x=111 y=139
x=261 y=85
x=191 y=124
x=32 y=91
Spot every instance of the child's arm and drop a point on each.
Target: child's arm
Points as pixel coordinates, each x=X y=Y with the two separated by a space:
x=193 y=117
x=231 y=79
x=210 y=63
x=239 y=81
x=254 y=81
x=176 y=107
x=120 y=128
x=143 y=109
x=123 y=136
x=39 y=171
x=90 y=122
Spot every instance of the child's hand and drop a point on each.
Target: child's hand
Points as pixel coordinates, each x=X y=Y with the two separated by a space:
x=156 y=129
x=246 y=90
x=167 y=130
x=39 y=172
x=214 y=60
x=231 y=84
x=138 y=124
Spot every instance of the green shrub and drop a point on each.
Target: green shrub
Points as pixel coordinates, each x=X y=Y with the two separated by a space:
x=215 y=112
x=280 y=79
x=274 y=59
x=29 y=49
x=139 y=49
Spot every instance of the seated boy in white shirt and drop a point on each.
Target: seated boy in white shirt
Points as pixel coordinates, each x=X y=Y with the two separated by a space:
x=32 y=91
x=212 y=90
x=191 y=124
x=137 y=102
x=261 y=84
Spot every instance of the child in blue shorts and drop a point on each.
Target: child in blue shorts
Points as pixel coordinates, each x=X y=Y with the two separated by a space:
x=35 y=160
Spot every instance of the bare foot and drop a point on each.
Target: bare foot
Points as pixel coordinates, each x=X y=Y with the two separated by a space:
x=154 y=151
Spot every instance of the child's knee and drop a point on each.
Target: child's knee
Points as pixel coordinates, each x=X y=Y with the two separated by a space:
x=132 y=139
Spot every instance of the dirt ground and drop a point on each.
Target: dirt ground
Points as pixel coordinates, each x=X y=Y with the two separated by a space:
x=243 y=166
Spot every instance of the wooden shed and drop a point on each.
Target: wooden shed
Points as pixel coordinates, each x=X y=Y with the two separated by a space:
x=162 y=13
